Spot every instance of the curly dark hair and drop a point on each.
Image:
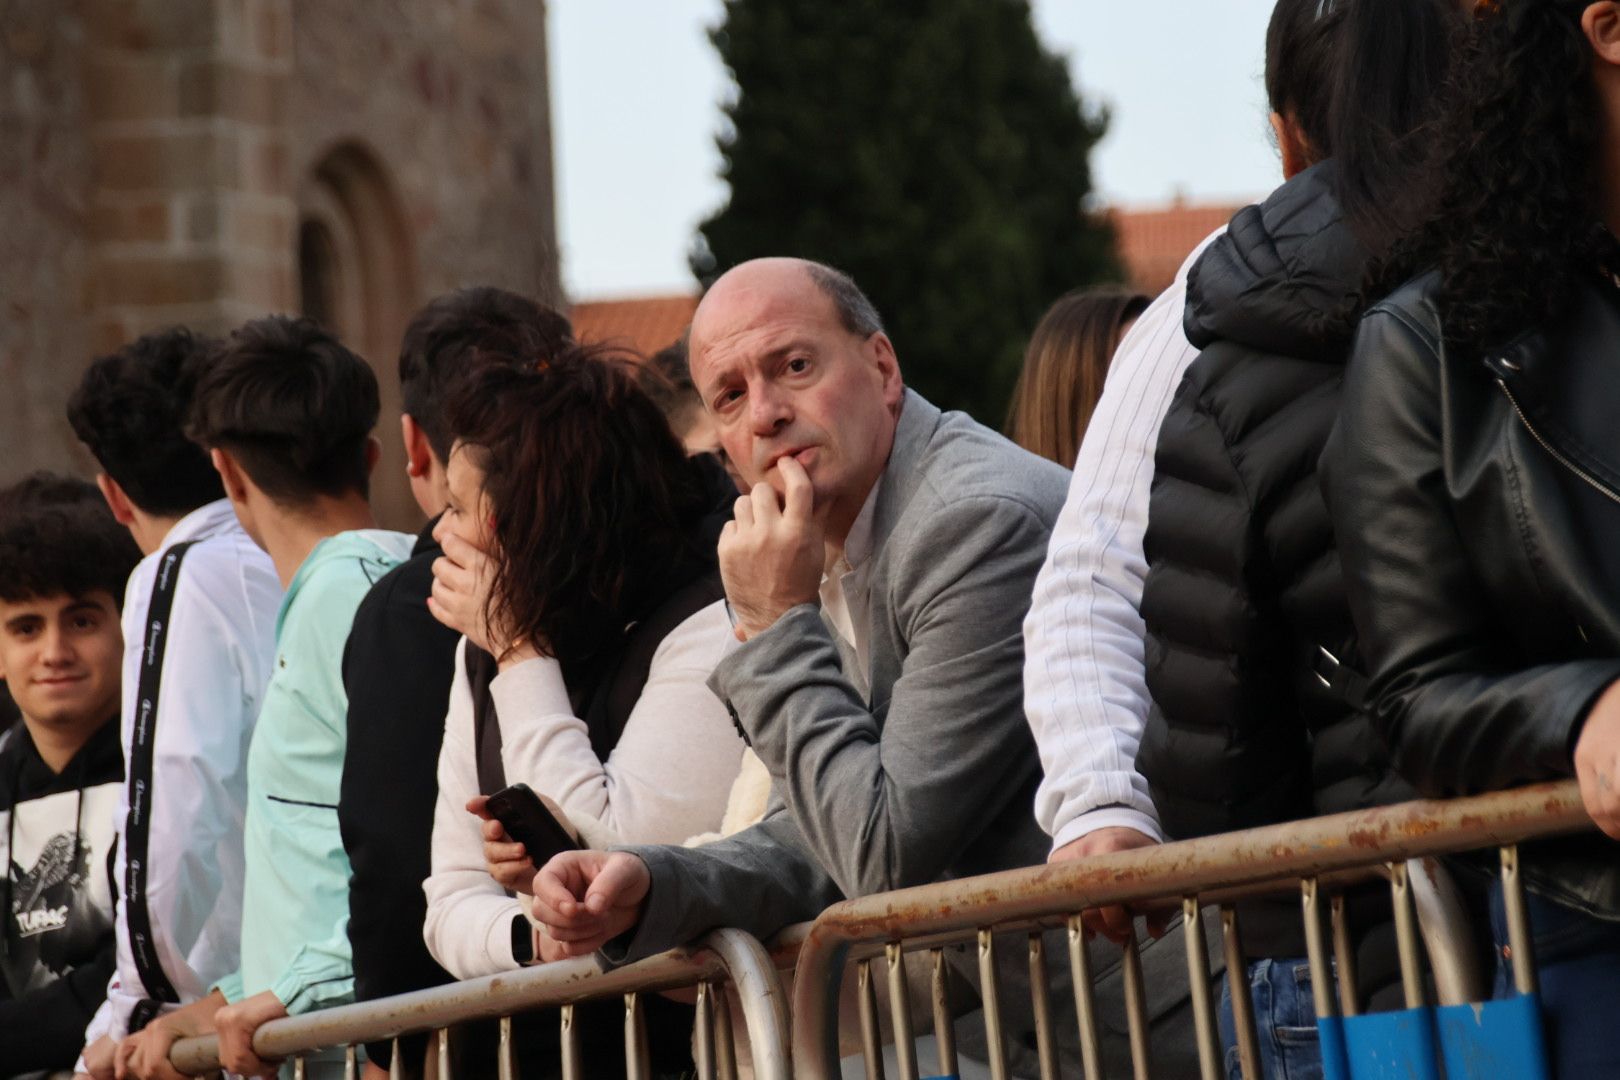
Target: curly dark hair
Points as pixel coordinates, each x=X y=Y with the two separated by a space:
x=58 y=538
x=292 y=405
x=1511 y=222
x=457 y=330
x=594 y=500
x=130 y=411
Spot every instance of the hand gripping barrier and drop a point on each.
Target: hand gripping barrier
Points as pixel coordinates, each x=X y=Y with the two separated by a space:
x=1312 y=859
x=723 y=956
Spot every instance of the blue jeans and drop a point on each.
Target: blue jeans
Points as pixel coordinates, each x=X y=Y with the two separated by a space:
x=1578 y=961
x=1284 y=1018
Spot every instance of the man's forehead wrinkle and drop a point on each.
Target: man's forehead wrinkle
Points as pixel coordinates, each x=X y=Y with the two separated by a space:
x=739 y=347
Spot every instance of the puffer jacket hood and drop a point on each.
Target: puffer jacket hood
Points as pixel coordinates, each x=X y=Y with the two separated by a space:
x=1251 y=654
x=1281 y=278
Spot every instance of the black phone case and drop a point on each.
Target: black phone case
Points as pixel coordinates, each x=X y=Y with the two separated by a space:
x=526 y=820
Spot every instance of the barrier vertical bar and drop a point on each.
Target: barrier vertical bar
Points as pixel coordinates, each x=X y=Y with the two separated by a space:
x=944 y=1023
x=636 y=1063
x=726 y=1055
x=505 y=1053
x=991 y=998
x=299 y=1071
x=1209 y=1041
x=1406 y=935
x=1522 y=956
x=1316 y=949
x=396 y=1065
x=1344 y=956
x=444 y=1054
x=351 y=1063
x=1085 y=1001
x=871 y=1035
x=703 y=1035
x=905 y=1043
x=572 y=1067
x=1045 y=1047
x=1237 y=983
x=1136 y=1008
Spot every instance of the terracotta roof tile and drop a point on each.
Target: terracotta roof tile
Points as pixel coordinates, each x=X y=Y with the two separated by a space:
x=645 y=324
x=1153 y=242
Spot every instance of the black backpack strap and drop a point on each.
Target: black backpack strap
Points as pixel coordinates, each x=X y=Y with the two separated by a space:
x=616 y=695
x=481 y=671
x=138 y=823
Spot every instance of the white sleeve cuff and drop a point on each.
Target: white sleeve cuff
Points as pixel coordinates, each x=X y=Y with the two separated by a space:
x=532 y=688
x=1109 y=817
x=498 y=937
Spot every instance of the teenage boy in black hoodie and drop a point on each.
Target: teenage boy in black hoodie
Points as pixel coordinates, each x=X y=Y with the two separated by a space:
x=63 y=564
x=399 y=661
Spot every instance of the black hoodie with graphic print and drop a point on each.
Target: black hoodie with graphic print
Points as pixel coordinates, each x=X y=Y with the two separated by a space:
x=57 y=942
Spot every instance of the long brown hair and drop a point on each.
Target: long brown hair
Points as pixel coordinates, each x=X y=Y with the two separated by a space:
x=1064 y=368
x=594 y=501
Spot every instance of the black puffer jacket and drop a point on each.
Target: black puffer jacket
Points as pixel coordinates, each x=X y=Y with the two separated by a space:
x=1476 y=499
x=1243 y=586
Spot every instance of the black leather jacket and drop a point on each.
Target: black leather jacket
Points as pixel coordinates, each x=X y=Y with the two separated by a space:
x=1476 y=501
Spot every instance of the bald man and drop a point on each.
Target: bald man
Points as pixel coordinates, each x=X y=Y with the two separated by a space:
x=878 y=573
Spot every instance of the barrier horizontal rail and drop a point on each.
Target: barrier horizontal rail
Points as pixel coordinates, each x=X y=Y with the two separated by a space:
x=1198 y=871
x=724 y=955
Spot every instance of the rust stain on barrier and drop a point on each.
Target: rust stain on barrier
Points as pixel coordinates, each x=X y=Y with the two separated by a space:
x=1319 y=846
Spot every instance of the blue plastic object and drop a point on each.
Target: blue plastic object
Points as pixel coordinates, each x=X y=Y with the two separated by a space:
x=1392 y=1046
x=1330 y=1037
x=1487 y=1041
x=1498 y=1038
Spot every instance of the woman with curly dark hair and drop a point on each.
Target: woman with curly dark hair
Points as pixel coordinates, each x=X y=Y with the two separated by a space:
x=1474 y=478
x=579 y=561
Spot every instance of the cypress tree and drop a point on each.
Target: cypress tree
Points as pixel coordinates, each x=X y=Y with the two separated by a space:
x=934 y=150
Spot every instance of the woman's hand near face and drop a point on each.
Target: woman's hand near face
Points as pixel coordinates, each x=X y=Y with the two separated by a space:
x=463 y=578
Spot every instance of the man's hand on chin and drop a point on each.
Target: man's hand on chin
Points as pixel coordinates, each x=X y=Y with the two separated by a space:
x=585 y=899
x=772 y=551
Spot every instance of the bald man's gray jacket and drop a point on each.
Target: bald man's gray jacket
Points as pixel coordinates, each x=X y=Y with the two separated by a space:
x=932 y=773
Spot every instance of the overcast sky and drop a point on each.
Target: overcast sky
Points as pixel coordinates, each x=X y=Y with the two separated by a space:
x=636 y=91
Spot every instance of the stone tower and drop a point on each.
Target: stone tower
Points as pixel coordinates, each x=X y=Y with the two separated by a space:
x=208 y=161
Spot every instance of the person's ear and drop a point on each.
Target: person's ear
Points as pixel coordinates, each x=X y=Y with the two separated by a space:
x=373 y=453
x=1292 y=146
x=888 y=369
x=418 y=451
x=231 y=475
x=123 y=510
x=1601 y=24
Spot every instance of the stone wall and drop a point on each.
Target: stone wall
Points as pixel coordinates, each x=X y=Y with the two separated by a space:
x=421 y=134
x=45 y=185
x=189 y=161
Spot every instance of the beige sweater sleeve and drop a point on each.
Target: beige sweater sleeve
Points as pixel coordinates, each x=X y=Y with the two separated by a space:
x=672 y=771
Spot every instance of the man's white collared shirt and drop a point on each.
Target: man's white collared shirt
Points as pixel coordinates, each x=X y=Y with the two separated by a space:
x=845 y=588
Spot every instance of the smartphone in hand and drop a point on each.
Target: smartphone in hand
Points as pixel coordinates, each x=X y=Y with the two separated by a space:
x=526 y=820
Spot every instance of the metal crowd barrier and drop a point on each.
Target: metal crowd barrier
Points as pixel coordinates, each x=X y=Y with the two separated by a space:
x=1314 y=858
x=725 y=956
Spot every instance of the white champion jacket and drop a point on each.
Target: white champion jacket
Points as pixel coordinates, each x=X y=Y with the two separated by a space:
x=217 y=660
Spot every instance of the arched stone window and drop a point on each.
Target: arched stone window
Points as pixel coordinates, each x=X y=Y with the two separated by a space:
x=357 y=276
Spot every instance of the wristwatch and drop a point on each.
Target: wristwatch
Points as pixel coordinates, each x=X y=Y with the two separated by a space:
x=522 y=941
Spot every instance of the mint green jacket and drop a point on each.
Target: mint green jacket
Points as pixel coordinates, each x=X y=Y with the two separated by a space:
x=295 y=908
